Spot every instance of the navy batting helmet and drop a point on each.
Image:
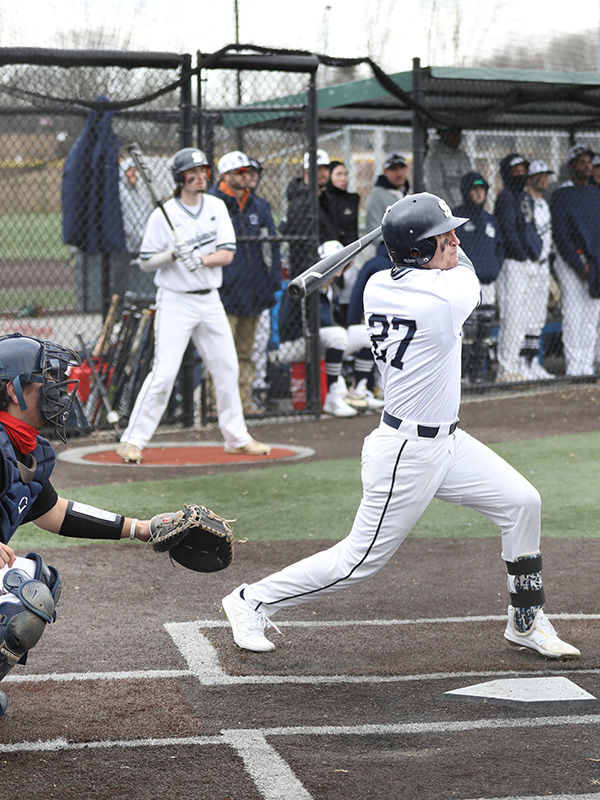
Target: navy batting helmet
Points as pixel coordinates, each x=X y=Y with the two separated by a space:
x=188 y=158
x=410 y=225
x=24 y=359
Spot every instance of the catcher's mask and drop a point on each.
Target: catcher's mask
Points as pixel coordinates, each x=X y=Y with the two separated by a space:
x=30 y=360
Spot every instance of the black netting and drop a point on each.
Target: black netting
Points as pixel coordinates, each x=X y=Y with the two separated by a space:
x=72 y=218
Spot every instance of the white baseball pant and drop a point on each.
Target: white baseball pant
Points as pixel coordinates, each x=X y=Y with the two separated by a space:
x=401 y=474
x=179 y=317
x=522 y=290
x=580 y=320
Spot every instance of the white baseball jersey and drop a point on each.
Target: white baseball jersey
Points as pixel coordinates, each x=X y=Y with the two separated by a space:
x=414 y=318
x=208 y=224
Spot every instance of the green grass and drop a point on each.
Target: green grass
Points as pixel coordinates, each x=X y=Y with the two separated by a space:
x=14 y=299
x=319 y=500
x=32 y=236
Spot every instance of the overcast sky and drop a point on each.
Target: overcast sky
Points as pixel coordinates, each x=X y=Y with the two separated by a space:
x=397 y=30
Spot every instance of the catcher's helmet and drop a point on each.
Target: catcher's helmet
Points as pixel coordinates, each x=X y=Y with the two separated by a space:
x=30 y=360
x=410 y=225
x=188 y=158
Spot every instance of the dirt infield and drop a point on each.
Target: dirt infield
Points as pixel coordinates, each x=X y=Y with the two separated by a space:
x=138 y=690
x=498 y=419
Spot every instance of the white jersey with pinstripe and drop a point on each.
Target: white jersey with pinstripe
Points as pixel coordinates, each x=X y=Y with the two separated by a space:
x=414 y=318
x=207 y=224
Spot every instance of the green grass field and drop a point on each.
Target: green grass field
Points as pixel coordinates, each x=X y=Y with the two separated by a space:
x=32 y=236
x=318 y=500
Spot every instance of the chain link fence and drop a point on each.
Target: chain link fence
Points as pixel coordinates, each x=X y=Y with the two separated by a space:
x=73 y=213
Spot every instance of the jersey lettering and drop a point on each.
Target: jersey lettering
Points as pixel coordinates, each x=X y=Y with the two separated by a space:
x=378 y=339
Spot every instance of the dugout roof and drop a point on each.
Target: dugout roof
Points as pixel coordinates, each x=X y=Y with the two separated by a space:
x=464 y=97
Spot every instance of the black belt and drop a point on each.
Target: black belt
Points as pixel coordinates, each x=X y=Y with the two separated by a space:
x=425 y=431
x=199 y=291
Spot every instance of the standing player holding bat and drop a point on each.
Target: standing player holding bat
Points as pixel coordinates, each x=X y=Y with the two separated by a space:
x=187 y=243
x=414 y=313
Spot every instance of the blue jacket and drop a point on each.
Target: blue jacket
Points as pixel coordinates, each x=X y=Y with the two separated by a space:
x=514 y=213
x=575 y=226
x=91 y=210
x=249 y=284
x=381 y=260
x=18 y=497
x=480 y=237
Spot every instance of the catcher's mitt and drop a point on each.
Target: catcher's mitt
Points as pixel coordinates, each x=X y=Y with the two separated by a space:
x=195 y=537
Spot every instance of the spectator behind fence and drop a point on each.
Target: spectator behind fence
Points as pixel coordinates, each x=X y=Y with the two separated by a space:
x=249 y=282
x=338 y=221
x=337 y=344
x=299 y=218
x=596 y=170
x=390 y=186
x=188 y=306
x=538 y=179
x=445 y=164
x=136 y=207
x=264 y=337
x=522 y=249
x=481 y=240
x=575 y=208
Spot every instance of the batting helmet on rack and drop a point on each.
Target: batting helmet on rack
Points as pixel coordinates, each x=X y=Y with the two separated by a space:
x=409 y=228
x=188 y=158
x=25 y=360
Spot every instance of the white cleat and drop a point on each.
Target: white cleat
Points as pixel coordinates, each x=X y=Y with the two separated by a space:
x=540 y=637
x=338 y=407
x=536 y=372
x=373 y=403
x=247 y=625
x=129 y=453
x=251 y=448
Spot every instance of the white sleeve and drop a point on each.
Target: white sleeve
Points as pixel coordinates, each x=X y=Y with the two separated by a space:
x=158 y=237
x=464 y=291
x=464 y=260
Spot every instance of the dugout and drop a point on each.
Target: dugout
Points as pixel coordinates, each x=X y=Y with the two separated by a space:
x=275 y=105
x=540 y=114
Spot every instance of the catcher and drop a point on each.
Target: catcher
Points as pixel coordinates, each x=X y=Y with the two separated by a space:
x=36 y=393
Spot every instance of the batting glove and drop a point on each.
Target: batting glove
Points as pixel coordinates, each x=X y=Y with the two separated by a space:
x=183 y=249
x=191 y=261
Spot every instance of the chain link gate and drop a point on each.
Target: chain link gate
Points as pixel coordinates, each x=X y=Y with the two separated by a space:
x=72 y=214
x=240 y=108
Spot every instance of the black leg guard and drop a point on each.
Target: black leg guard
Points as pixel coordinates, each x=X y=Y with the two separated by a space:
x=526 y=589
x=22 y=623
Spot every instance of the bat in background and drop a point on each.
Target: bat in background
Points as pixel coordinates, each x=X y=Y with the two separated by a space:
x=103 y=342
x=309 y=281
x=144 y=169
x=111 y=415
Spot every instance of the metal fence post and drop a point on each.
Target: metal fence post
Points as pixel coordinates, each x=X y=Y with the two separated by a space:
x=186 y=140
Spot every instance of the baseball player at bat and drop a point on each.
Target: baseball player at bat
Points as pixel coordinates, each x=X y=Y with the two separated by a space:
x=187 y=242
x=414 y=313
x=36 y=393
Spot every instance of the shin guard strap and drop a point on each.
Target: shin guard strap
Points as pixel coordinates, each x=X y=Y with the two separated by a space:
x=527 y=598
x=524 y=566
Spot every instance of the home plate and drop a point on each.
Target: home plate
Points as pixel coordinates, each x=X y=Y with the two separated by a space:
x=526 y=690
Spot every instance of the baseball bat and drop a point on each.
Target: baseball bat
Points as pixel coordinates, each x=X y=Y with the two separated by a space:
x=111 y=415
x=144 y=169
x=309 y=281
x=109 y=322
